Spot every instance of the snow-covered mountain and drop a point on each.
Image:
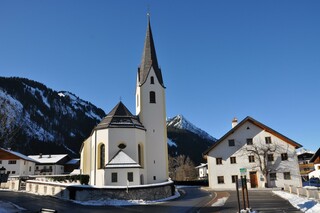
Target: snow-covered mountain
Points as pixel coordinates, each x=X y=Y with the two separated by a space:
x=41 y=119
x=184 y=138
x=181 y=122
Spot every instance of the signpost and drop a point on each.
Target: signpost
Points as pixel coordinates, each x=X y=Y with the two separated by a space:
x=242 y=182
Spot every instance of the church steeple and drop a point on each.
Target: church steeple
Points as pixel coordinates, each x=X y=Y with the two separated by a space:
x=149 y=58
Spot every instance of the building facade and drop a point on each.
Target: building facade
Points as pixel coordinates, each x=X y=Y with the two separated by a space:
x=16 y=164
x=50 y=164
x=126 y=149
x=202 y=171
x=305 y=165
x=316 y=162
x=266 y=157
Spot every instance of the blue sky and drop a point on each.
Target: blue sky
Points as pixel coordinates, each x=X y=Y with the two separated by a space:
x=220 y=59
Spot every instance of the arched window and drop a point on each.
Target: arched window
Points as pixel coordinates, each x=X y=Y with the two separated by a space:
x=152 y=80
x=101 y=156
x=152 y=97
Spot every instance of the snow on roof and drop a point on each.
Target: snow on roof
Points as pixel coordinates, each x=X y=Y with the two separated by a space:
x=122 y=160
x=47 y=158
x=22 y=156
x=202 y=165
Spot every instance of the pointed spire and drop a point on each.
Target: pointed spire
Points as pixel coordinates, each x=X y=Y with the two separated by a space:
x=149 y=57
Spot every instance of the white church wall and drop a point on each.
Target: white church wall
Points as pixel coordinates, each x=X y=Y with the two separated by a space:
x=85 y=157
x=122 y=177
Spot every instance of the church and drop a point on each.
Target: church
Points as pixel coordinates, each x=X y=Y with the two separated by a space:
x=126 y=149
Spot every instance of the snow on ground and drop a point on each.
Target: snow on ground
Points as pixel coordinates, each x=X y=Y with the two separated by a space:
x=110 y=202
x=220 y=201
x=302 y=203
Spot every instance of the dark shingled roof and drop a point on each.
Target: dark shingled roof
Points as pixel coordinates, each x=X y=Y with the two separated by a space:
x=315 y=156
x=149 y=59
x=120 y=117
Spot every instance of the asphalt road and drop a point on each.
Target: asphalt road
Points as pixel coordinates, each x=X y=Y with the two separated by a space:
x=192 y=199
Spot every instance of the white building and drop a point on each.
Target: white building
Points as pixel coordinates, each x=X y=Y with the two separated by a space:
x=316 y=161
x=237 y=150
x=203 y=170
x=16 y=164
x=132 y=149
x=50 y=164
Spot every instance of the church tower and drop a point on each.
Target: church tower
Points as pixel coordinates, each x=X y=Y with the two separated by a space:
x=151 y=109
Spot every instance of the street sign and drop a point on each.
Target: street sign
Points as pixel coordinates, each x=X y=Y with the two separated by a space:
x=243 y=171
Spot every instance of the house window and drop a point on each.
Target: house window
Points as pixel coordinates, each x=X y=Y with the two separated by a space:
x=12 y=162
x=273 y=176
x=114 y=177
x=251 y=159
x=286 y=176
x=152 y=80
x=270 y=157
x=231 y=142
x=233 y=160
x=234 y=178
x=29 y=168
x=284 y=156
x=0 y=161
x=268 y=140
x=13 y=172
x=152 y=95
x=102 y=156
x=218 y=161
x=249 y=141
x=130 y=176
x=154 y=178
x=220 y=180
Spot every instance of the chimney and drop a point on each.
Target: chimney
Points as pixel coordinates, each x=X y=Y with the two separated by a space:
x=234 y=122
x=40 y=155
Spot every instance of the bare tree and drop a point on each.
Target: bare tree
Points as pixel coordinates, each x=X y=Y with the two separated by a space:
x=182 y=168
x=266 y=156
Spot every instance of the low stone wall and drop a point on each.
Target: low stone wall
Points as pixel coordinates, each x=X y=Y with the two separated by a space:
x=47 y=188
x=11 y=184
x=86 y=192
x=305 y=192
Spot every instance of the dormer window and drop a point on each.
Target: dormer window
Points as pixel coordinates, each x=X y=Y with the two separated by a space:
x=152 y=80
